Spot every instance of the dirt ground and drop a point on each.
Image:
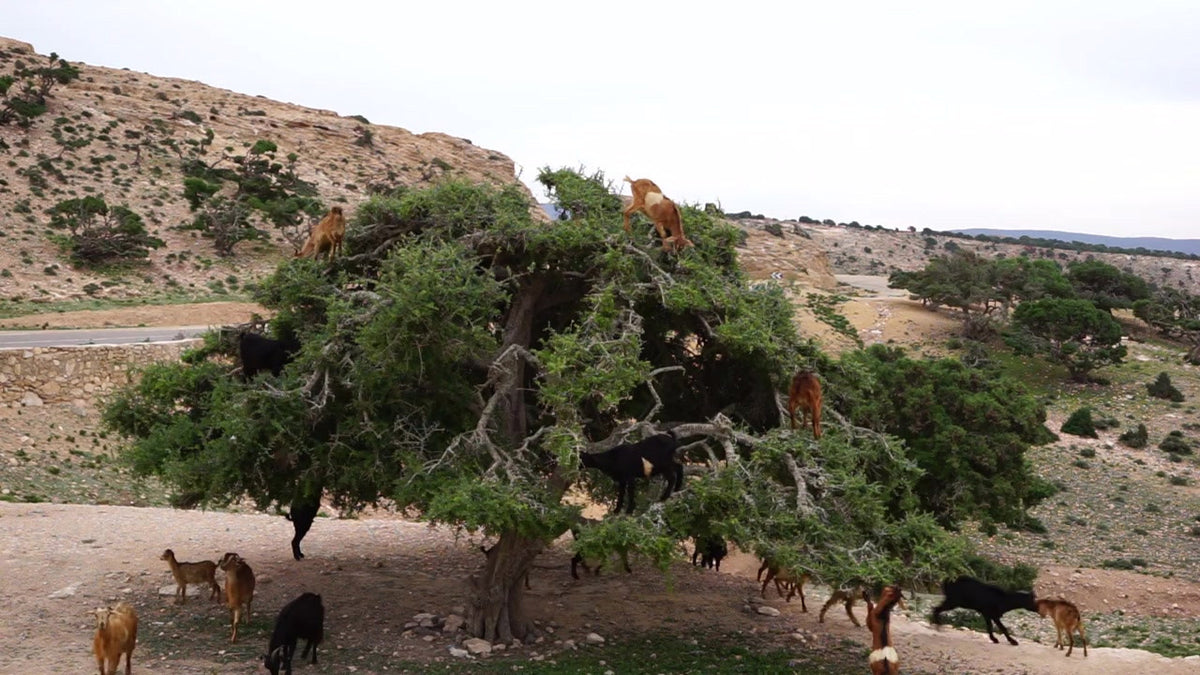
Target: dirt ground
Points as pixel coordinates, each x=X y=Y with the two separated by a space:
x=376 y=572
x=205 y=314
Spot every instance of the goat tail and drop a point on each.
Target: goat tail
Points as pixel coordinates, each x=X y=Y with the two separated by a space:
x=628 y=179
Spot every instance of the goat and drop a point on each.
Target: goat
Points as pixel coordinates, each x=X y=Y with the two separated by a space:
x=847 y=596
x=259 y=353
x=648 y=198
x=301 y=515
x=711 y=549
x=883 y=659
x=116 y=634
x=239 y=588
x=303 y=617
x=1066 y=619
x=191 y=573
x=578 y=560
x=653 y=456
x=326 y=236
x=804 y=394
x=784 y=577
x=990 y=601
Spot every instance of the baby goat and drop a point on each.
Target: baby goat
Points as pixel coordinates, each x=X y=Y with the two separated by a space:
x=1066 y=619
x=990 y=601
x=782 y=576
x=883 y=659
x=239 y=588
x=116 y=634
x=847 y=595
x=301 y=515
x=303 y=617
x=654 y=456
x=326 y=237
x=191 y=573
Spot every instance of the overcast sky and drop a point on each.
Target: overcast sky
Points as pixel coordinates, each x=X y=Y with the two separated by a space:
x=1043 y=114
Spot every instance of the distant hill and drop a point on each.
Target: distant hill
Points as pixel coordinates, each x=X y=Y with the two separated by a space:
x=1191 y=246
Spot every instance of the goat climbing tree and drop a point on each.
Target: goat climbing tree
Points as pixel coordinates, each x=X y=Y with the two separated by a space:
x=463 y=354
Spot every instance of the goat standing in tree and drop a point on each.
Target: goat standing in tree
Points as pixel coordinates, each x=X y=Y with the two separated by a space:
x=649 y=199
x=805 y=395
x=326 y=236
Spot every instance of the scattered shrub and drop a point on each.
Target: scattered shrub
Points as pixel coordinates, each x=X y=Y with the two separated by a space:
x=1176 y=443
x=1162 y=388
x=1080 y=423
x=1134 y=438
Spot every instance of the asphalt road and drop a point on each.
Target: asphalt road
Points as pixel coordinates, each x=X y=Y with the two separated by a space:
x=26 y=339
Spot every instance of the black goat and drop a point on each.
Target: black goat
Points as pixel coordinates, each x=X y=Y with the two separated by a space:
x=303 y=617
x=301 y=514
x=259 y=353
x=578 y=561
x=990 y=601
x=710 y=549
x=654 y=456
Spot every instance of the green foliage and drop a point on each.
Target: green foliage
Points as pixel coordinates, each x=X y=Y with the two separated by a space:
x=100 y=234
x=1018 y=577
x=1107 y=287
x=967 y=429
x=1162 y=388
x=1135 y=438
x=23 y=93
x=824 y=307
x=1080 y=424
x=1072 y=332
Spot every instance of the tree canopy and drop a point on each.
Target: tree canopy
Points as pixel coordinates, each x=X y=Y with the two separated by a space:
x=462 y=354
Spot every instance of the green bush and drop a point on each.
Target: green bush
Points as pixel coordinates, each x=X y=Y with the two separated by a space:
x=1162 y=388
x=1134 y=438
x=1080 y=424
x=1176 y=443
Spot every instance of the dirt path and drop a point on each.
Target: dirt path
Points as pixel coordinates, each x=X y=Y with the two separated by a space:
x=376 y=573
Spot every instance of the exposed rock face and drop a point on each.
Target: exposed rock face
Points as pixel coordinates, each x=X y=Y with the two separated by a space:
x=139 y=127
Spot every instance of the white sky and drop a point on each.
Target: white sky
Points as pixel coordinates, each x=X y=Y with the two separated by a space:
x=1081 y=116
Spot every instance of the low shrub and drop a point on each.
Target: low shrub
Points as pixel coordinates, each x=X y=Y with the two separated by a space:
x=1080 y=423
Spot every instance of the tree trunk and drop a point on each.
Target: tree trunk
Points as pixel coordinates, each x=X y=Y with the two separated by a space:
x=518 y=330
x=496 y=610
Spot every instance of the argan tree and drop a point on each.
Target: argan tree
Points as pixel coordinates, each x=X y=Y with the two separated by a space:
x=1073 y=332
x=99 y=234
x=462 y=355
x=24 y=90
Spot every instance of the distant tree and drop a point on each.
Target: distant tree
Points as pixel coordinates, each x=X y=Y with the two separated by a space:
x=1021 y=279
x=99 y=234
x=1162 y=388
x=1080 y=423
x=1106 y=286
x=1073 y=332
x=23 y=93
x=963 y=280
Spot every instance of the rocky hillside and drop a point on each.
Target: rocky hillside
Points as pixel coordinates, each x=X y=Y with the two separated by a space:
x=122 y=135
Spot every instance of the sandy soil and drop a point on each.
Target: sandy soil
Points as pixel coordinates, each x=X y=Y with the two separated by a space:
x=204 y=314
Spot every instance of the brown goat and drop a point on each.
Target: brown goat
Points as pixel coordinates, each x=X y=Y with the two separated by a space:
x=191 y=573
x=649 y=199
x=1066 y=619
x=805 y=395
x=326 y=236
x=116 y=634
x=784 y=577
x=239 y=588
x=847 y=595
x=883 y=659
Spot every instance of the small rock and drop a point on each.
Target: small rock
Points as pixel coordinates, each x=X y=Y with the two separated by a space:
x=593 y=639
x=460 y=653
x=31 y=400
x=478 y=646
x=766 y=610
x=453 y=623
x=64 y=592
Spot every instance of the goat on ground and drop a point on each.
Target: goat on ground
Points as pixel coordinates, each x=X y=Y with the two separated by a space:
x=990 y=601
x=883 y=659
x=804 y=395
x=711 y=549
x=594 y=569
x=654 y=456
x=301 y=515
x=783 y=577
x=116 y=634
x=1066 y=619
x=847 y=595
x=304 y=618
x=239 y=589
x=326 y=237
x=259 y=353
x=186 y=573
x=648 y=198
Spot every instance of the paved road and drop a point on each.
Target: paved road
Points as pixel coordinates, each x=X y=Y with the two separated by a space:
x=25 y=339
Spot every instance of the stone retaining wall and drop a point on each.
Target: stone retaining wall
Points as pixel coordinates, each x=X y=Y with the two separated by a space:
x=76 y=374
